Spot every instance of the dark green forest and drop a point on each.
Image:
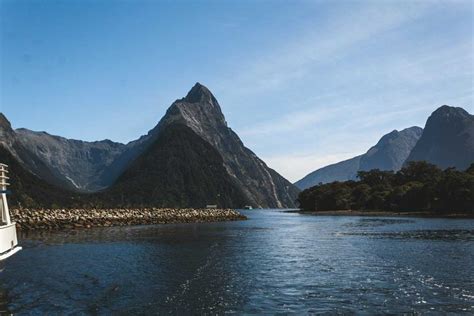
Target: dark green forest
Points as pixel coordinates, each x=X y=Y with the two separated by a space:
x=418 y=187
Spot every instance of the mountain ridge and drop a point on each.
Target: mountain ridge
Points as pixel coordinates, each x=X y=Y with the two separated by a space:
x=389 y=153
x=95 y=166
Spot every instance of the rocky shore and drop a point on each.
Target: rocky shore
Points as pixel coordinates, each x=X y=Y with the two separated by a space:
x=57 y=219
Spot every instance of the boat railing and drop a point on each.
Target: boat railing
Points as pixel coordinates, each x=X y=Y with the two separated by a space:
x=8 y=239
x=5 y=212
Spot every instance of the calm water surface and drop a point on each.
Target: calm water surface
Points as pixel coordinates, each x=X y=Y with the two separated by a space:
x=275 y=263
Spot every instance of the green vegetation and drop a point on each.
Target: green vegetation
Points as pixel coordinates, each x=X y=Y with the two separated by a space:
x=418 y=187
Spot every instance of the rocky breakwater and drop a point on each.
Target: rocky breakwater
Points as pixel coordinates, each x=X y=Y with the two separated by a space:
x=57 y=219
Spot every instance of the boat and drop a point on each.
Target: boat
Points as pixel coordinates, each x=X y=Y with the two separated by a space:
x=248 y=207
x=8 y=239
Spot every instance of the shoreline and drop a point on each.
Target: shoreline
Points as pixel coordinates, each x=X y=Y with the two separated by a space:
x=60 y=219
x=383 y=214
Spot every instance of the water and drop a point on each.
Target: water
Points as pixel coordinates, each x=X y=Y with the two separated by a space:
x=274 y=263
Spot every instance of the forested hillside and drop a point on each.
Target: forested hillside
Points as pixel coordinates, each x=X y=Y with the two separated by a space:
x=419 y=186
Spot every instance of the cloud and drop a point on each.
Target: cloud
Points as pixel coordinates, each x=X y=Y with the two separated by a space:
x=323 y=43
x=293 y=121
x=402 y=85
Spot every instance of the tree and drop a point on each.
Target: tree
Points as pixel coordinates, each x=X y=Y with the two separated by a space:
x=420 y=171
x=419 y=186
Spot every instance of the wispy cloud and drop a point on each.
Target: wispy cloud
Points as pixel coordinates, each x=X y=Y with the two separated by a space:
x=293 y=121
x=323 y=43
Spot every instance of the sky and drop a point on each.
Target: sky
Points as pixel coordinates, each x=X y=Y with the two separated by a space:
x=303 y=83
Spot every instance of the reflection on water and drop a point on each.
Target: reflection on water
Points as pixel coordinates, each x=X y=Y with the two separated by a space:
x=374 y=222
x=274 y=262
x=443 y=235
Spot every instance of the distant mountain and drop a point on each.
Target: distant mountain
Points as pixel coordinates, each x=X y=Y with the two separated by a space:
x=111 y=167
x=341 y=171
x=76 y=164
x=447 y=140
x=391 y=150
x=389 y=153
x=244 y=176
x=28 y=190
x=23 y=155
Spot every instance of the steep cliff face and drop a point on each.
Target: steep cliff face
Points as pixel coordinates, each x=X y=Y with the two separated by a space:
x=447 y=140
x=201 y=112
x=28 y=190
x=11 y=144
x=76 y=164
x=389 y=153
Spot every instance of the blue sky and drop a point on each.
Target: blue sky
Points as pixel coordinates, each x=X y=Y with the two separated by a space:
x=304 y=83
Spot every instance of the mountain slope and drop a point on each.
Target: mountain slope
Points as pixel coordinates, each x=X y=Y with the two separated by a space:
x=389 y=153
x=391 y=150
x=200 y=111
x=76 y=164
x=28 y=190
x=179 y=169
x=10 y=142
x=73 y=164
x=341 y=171
x=447 y=140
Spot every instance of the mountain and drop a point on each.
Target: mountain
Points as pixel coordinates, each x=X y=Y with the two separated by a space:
x=76 y=164
x=30 y=190
x=244 y=176
x=109 y=167
x=341 y=171
x=447 y=140
x=179 y=169
x=68 y=163
x=10 y=142
x=391 y=150
x=389 y=153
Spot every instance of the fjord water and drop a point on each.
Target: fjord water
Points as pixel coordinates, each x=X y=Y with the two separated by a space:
x=273 y=262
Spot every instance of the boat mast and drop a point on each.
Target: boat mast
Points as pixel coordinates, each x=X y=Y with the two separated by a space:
x=3 y=190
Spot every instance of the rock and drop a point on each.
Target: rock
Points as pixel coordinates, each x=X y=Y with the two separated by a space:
x=28 y=219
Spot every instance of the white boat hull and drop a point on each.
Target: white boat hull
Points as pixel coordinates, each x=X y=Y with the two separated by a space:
x=8 y=241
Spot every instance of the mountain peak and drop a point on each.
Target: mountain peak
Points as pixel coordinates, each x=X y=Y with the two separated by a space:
x=448 y=117
x=414 y=130
x=199 y=93
x=446 y=110
x=447 y=140
x=198 y=109
x=410 y=132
